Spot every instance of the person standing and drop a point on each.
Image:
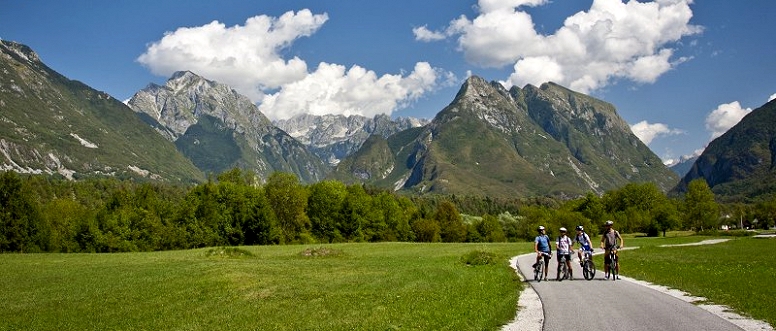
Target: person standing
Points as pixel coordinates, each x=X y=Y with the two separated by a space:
x=611 y=240
x=563 y=247
x=542 y=249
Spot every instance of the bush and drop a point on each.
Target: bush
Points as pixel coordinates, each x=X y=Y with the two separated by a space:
x=228 y=252
x=475 y=258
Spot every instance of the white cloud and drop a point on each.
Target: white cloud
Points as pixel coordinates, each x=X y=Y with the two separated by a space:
x=245 y=57
x=333 y=89
x=647 y=132
x=424 y=34
x=249 y=59
x=725 y=117
x=612 y=40
x=773 y=96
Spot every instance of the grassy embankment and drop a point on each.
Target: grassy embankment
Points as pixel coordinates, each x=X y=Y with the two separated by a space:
x=738 y=273
x=356 y=286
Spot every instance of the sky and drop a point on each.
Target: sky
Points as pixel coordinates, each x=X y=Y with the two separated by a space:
x=680 y=72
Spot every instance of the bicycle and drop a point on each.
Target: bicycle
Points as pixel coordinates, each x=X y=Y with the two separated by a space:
x=539 y=268
x=563 y=269
x=588 y=267
x=613 y=263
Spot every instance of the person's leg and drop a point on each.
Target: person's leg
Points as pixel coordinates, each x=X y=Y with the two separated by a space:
x=606 y=262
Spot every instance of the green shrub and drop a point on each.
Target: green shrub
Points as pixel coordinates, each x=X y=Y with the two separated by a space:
x=228 y=252
x=479 y=257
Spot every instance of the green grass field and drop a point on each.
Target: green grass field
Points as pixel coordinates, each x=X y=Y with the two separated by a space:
x=738 y=273
x=357 y=287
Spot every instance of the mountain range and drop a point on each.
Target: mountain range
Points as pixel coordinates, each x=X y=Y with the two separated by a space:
x=491 y=141
x=50 y=124
x=219 y=129
x=334 y=137
x=545 y=140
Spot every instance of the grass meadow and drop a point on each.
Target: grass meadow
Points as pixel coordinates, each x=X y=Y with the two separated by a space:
x=381 y=286
x=738 y=273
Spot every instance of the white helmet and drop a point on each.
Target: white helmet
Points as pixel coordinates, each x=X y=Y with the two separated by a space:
x=562 y=229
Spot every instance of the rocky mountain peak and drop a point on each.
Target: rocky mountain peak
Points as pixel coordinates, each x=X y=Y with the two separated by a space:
x=22 y=51
x=477 y=89
x=186 y=97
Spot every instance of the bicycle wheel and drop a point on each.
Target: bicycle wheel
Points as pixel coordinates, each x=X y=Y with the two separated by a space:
x=613 y=267
x=562 y=270
x=588 y=270
x=538 y=271
x=615 y=272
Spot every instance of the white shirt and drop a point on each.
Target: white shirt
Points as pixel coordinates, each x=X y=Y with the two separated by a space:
x=563 y=244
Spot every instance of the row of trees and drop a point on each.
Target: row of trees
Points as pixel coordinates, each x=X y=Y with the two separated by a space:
x=39 y=213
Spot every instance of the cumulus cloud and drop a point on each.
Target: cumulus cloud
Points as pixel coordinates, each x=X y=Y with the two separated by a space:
x=355 y=91
x=773 y=96
x=249 y=58
x=725 y=117
x=612 y=40
x=647 y=132
x=245 y=57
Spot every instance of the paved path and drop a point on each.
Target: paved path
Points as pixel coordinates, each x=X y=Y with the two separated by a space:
x=603 y=305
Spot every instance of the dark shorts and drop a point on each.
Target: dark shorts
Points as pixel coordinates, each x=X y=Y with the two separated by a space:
x=568 y=257
x=547 y=257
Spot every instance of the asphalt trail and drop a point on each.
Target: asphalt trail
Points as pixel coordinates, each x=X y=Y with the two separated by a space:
x=603 y=305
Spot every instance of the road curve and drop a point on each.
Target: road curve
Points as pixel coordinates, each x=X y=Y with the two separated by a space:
x=602 y=305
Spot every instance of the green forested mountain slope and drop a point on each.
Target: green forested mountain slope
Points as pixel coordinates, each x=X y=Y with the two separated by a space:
x=544 y=140
x=740 y=165
x=51 y=124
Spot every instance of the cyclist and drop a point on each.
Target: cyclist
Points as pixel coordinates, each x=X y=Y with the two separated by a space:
x=563 y=247
x=542 y=248
x=585 y=244
x=609 y=242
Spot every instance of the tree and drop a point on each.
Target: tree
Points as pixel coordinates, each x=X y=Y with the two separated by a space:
x=451 y=225
x=324 y=207
x=426 y=230
x=666 y=217
x=19 y=216
x=288 y=200
x=490 y=229
x=700 y=210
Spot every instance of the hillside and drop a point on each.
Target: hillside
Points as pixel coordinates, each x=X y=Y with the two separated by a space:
x=544 y=140
x=51 y=124
x=219 y=129
x=740 y=165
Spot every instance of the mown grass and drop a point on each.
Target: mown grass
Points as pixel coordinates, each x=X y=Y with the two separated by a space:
x=738 y=273
x=349 y=286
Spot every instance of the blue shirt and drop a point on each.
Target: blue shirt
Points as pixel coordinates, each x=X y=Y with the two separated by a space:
x=543 y=242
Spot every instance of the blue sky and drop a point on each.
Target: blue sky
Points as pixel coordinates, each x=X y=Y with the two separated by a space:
x=680 y=72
